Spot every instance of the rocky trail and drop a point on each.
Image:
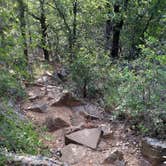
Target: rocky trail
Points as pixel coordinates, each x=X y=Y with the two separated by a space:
x=79 y=133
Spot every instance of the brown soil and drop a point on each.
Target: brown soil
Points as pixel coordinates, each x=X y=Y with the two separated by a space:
x=121 y=139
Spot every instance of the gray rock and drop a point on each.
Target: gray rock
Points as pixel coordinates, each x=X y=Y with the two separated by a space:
x=154 y=150
x=16 y=159
x=33 y=96
x=72 y=153
x=86 y=137
x=42 y=80
x=66 y=99
x=41 y=108
x=53 y=124
x=106 y=130
x=61 y=74
x=90 y=111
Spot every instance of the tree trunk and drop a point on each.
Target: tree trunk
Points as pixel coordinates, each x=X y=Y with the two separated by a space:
x=117 y=26
x=22 y=8
x=108 y=34
x=108 y=29
x=73 y=35
x=43 y=25
x=74 y=21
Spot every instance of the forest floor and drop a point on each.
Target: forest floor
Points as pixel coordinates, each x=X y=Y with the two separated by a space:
x=117 y=137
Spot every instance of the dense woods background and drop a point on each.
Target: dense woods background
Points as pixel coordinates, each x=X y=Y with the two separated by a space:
x=113 y=50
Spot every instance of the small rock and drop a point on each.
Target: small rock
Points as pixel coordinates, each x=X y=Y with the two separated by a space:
x=47 y=73
x=153 y=150
x=106 y=130
x=55 y=123
x=89 y=111
x=42 y=80
x=116 y=158
x=61 y=74
x=72 y=153
x=116 y=155
x=43 y=88
x=38 y=108
x=66 y=99
x=33 y=96
x=86 y=137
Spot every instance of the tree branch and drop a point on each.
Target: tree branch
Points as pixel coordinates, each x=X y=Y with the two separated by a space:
x=61 y=15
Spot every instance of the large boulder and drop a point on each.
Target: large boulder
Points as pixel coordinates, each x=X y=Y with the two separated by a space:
x=54 y=124
x=86 y=137
x=154 y=150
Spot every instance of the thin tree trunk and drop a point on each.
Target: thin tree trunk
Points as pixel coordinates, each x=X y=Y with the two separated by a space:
x=117 y=27
x=22 y=9
x=73 y=36
x=108 y=29
x=72 y=31
x=43 y=25
x=74 y=21
x=116 y=34
x=108 y=34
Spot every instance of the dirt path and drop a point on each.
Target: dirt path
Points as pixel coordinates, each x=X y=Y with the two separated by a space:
x=39 y=110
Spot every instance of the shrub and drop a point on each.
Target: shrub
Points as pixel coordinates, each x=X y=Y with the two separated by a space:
x=17 y=135
x=84 y=73
x=9 y=86
x=137 y=91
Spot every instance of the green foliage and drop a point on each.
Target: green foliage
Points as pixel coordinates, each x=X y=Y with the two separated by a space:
x=17 y=135
x=84 y=73
x=9 y=86
x=3 y=159
x=137 y=90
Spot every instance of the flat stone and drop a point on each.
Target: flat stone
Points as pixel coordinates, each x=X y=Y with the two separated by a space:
x=41 y=108
x=86 y=137
x=66 y=99
x=154 y=150
x=54 y=124
x=72 y=153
